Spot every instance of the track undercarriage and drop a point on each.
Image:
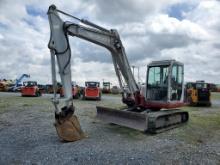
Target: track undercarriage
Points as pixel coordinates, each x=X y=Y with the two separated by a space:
x=143 y=119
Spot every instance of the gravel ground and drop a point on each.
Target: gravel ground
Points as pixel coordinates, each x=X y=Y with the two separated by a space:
x=27 y=136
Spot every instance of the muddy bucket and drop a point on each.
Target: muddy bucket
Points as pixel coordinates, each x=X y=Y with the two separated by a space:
x=68 y=127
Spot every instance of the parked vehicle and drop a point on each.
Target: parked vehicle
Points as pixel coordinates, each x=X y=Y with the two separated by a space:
x=92 y=90
x=198 y=93
x=106 y=87
x=30 y=88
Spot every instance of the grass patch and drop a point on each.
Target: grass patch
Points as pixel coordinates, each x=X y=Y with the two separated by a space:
x=208 y=121
x=26 y=105
x=215 y=95
x=203 y=125
x=18 y=102
x=200 y=128
x=3 y=107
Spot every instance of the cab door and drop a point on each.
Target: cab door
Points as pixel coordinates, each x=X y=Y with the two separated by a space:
x=176 y=83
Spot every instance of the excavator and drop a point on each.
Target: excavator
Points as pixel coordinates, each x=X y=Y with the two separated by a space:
x=152 y=108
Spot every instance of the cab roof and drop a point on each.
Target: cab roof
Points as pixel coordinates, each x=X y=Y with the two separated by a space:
x=164 y=62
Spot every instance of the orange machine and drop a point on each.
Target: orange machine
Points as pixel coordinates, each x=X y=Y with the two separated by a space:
x=49 y=88
x=3 y=86
x=30 y=88
x=75 y=91
x=92 y=90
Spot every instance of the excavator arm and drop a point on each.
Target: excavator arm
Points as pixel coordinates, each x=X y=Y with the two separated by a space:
x=111 y=41
x=60 y=48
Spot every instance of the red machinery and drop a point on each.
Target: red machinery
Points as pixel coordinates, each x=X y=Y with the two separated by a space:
x=75 y=91
x=92 y=90
x=30 y=88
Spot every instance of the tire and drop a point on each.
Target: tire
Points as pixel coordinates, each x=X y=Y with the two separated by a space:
x=38 y=94
x=191 y=103
x=83 y=98
x=209 y=104
x=100 y=97
x=77 y=96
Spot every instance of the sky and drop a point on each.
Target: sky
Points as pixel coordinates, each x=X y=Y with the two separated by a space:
x=184 y=30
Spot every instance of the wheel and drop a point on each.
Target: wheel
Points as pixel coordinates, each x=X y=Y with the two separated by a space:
x=36 y=94
x=83 y=97
x=76 y=96
x=100 y=97
x=191 y=103
x=209 y=104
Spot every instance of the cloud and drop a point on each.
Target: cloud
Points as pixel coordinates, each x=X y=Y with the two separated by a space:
x=157 y=33
x=1 y=37
x=178 y=10
x=123 y=11
x=199 y=63
x=84 y=71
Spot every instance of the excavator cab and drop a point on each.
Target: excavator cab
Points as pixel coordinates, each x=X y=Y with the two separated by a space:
x=164 y=87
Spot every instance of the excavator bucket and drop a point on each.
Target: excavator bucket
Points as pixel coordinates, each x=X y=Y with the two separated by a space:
x=68 y=127
x=146 y=121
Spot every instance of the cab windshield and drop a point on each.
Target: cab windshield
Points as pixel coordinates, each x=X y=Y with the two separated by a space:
x=92 y=84
x=30 y=83
x=201 y=85
x=157 y=82
x=158 y=76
